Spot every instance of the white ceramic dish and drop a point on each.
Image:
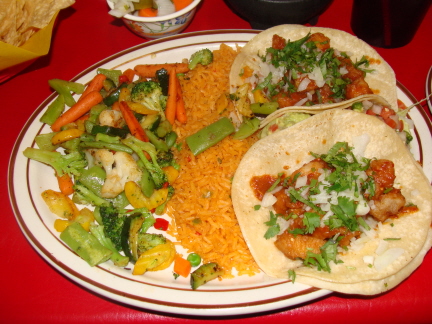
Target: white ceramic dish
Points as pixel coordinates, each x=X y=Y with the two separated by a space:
x=163 y=26
x=159 y=291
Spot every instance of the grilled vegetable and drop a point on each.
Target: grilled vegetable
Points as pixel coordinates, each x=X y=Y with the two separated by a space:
x=204 y=274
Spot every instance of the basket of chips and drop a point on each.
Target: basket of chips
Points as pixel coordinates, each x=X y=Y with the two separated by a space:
x=25 y=32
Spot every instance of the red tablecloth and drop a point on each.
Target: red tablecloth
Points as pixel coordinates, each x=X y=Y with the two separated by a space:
x=33 y=292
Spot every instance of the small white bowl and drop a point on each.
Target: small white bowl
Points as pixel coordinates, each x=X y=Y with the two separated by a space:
x=163 y=26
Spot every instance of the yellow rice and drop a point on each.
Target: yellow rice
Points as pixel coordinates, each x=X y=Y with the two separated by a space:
x=204 y=219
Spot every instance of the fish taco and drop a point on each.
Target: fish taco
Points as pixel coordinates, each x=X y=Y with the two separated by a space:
x=294 y=65
x=336 y=201
x=372 y=105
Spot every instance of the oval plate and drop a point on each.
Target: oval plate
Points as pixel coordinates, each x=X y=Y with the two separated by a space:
x=159 y=291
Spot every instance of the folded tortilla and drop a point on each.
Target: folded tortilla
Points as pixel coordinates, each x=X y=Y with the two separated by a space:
x=313 y=110
x=382 y=80
x=289 y=149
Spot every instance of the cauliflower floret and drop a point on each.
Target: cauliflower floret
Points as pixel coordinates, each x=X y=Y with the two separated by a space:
x=113 y=118
x=120 y=168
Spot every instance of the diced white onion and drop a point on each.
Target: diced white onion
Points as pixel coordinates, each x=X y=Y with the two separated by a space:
x=268 y=200
x=301 y=181
x=301 y=102
x=303 y=84
x=283 y=224
x=278 y=188
x=376 y=109
x=382 y=247
x=164 y=7
x=362 y=208
x=387 y=258
x=343 y=70
x=367 y=104
x=317 y=76
x=368 y=259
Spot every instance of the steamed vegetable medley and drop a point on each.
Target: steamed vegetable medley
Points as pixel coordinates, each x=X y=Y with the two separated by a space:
x=147 y=8
x=113 y=149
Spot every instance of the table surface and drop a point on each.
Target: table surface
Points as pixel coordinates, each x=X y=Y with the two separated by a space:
x=33 y=291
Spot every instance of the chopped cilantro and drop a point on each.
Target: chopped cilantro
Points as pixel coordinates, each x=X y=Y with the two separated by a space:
x=362 y=223
x=274 y=227
x=257 y=207
x=322 y=260
x=278 y=180
x=297 y=231
x=295 y=195
x=292 y=275
x=311 y=221
x=392 y=239
x=387 y=190
x=345 y=211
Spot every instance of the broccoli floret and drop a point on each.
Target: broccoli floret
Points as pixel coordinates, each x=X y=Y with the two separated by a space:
x=164 y=159
x=85 y=196
x=203 y=57
x=147 y=241
x=118 y=259
x=72 y=163
x=157 y=174
x=112 y=222
x=149 y=93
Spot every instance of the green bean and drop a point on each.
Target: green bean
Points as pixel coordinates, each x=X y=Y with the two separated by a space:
x=265 y=108
x=210 y=135
x=146 y=183
x=163 y=128
x=107 y=138
x=171 y=138
x=157 y=142
x=247 y=128
x=105 y=145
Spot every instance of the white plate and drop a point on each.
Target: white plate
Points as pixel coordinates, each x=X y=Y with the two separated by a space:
x=429 y=89
x=159 y=291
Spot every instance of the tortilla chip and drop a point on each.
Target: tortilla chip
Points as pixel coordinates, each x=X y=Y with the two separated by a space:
x=20 y=19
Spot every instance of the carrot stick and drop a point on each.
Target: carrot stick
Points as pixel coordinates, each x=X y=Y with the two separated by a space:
x=76 y=111
x=182 y=266
x=170 y=110
x=129 y=74
x=133 y=124
x=116 y=106
x=180 y=105
x=147 y=12
x=95 y=85
x=65 y=184
x=84 y=117
x=149 y=70
x=180 y=4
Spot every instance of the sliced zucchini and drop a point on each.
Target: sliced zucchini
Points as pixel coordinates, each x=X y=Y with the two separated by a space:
x=204 y=274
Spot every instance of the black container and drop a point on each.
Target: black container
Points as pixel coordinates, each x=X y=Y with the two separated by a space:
x=388 y=23
x=263 y=14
